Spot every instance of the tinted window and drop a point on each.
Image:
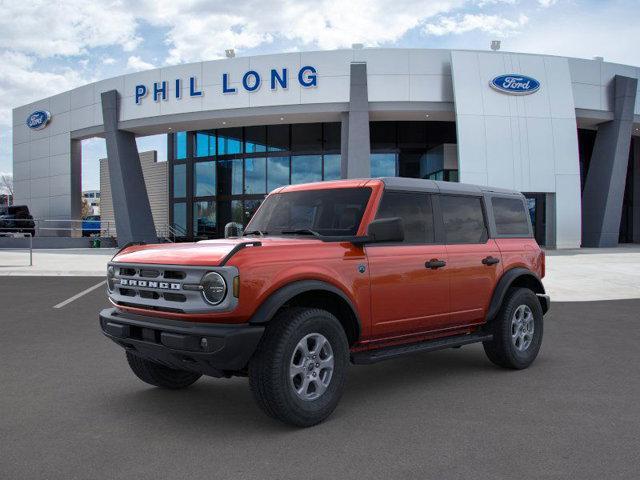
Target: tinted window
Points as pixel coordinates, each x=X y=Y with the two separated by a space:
x=463 y=219
x=330 y=212
x=255 y=175
x=306 y=168
x=383 y=164
x=415 y=211
x=511 y=218
x=180 y=180
x=204 y=179
x=277 y=172
x=180 y=146
x=332 y=167
x=306 y=136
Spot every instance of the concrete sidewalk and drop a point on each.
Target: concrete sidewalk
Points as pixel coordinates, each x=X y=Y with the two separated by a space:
x=572 y=275
x=71 y=262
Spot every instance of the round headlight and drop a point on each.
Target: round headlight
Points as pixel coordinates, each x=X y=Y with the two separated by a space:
x=111 y=273
x=214 y=288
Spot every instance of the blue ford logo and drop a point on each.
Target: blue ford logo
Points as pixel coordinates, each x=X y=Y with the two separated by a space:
x=515 y=84
x=38 y=119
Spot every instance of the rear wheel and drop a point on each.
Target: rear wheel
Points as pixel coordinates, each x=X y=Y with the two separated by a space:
x=517 y=330
x=159 y=375
x=298 y=372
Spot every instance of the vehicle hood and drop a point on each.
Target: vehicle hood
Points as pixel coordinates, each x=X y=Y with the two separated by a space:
x=203 y=253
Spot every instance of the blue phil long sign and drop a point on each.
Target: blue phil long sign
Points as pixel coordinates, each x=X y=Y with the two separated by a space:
x=251 y=81
x=515 y=84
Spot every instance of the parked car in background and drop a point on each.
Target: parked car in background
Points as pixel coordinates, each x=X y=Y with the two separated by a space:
x=330 y=273
x=91 y=225
x=17 y=219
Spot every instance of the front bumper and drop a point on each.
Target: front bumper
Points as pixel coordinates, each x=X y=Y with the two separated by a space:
x=211 y=349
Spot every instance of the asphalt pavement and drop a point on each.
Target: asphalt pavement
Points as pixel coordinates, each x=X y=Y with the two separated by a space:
x=71 y=409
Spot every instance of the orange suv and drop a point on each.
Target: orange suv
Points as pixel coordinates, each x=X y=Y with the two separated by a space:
x=327 y=273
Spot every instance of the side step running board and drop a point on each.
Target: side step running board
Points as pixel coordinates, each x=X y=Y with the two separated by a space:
x=374 y=356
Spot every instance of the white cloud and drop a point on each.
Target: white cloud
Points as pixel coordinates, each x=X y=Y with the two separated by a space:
x=324 y=24
x=135 y=63
x=71 y=27
x=108 y=61
x=21 y=83
x=491 y=24
x=547 y=3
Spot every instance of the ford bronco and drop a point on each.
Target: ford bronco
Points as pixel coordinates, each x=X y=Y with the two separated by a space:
x=330 y=273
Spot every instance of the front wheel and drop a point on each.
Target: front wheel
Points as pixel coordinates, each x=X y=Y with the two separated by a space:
x=298 y=372
x=517 y=330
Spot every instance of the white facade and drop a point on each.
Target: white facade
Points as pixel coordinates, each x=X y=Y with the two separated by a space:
x=525 y=142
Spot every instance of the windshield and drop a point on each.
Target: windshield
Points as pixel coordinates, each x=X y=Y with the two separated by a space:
x=327 y=212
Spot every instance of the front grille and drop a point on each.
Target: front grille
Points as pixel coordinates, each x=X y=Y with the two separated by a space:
x=159 y=287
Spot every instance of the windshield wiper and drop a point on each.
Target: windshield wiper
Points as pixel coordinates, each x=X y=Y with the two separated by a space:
x=254 y=232
x=301 y=231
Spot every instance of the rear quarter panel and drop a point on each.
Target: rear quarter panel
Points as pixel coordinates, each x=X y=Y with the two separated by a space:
x=521 y=252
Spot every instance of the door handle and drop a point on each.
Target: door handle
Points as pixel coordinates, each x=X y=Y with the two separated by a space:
x=435 y=263
x=490 y=260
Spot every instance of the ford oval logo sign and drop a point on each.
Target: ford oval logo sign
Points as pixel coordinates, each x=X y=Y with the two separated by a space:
x=38 y=119
x=515 y=84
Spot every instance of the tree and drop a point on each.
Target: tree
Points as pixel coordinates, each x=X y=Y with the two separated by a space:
x=6 y=186
x=86 y=208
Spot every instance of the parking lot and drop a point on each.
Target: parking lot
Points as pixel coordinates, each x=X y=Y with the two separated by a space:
x=72 y=409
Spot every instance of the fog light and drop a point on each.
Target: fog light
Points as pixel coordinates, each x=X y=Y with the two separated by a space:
x=214 y=288
x=111 y=273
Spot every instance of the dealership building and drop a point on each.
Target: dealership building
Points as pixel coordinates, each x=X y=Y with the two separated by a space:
x=564 y=131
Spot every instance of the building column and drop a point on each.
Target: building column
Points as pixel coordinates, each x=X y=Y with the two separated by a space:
x=131 y=207
x=636 y=190
x=604 y=187
x=355 y=144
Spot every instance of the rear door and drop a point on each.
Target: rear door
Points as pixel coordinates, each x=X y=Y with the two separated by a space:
x=474 y=259
x=408 y=296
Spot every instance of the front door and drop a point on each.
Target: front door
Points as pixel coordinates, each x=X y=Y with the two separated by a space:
x=409 y=280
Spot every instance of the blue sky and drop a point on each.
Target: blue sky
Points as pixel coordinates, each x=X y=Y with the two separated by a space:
x=48 y=48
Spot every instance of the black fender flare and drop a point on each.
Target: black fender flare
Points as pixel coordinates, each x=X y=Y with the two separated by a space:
x=277 y=299
x=505 y=282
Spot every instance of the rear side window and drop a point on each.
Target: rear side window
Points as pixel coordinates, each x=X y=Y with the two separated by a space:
x=463 y=219
x=415 y=211
x=511 y=217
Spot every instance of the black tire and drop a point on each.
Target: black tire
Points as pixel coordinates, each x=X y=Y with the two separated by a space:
x=159 y=375
x=269 y=374
x=501 y=350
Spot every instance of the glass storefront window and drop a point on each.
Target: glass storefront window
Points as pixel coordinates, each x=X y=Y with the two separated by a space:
x=180 y=217
x=306 y=137
x=180 y=146
x=383 y=165
x=205 y=144
x=230 y=177
x=229 y=141
x=278 y=137
x=204 y=179
x=204 y=219
x=277 y=172
x=237 y=211
x=255 y=139
x=306 y=168
x=331 y=133
x=180 y=180
x=332 y=167
x=255 y=175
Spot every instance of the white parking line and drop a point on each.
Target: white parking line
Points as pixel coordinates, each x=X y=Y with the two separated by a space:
x=78 y=295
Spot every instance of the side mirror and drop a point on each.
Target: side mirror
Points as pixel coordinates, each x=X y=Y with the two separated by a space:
x=386 y=230
x=233 y=230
